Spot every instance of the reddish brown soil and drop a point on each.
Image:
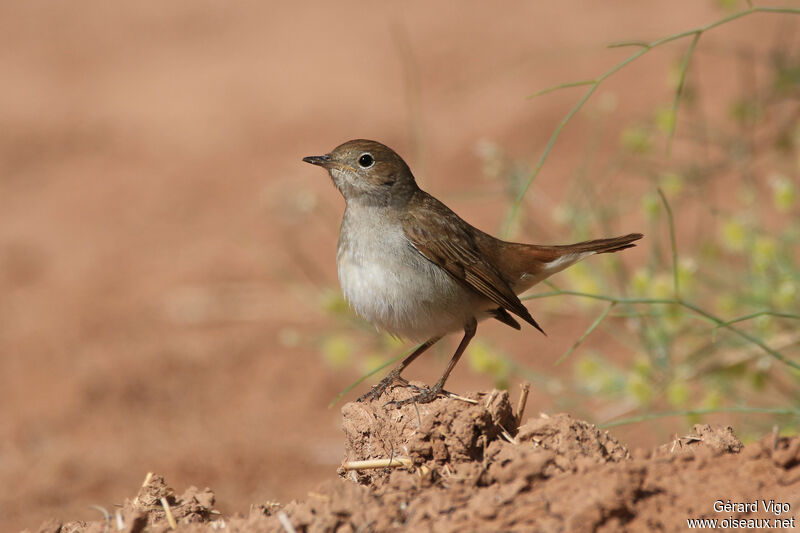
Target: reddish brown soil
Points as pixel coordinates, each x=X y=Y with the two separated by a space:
x=163 y=249
x=471 y=468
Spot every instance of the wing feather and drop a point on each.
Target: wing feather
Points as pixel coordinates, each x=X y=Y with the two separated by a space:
x=451 y=245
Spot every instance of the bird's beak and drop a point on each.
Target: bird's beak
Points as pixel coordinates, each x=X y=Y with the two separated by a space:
x=321 y=160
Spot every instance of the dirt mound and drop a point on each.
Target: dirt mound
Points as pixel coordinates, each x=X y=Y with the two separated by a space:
x=465 y=464
x=156 y=505
x=467 y=435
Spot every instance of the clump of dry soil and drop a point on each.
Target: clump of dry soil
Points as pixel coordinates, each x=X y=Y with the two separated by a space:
x=469 y=466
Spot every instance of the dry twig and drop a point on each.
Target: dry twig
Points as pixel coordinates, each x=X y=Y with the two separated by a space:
x=523 y=400
x=168 y=512
x=286 y=523
x=370 y=464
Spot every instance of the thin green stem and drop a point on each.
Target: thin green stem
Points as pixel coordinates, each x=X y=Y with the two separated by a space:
x=518 y=200
x=550 y=284
x=645 y=47
x=673 y=244
x=709 y=411
x=743 y=334
x=718 y=322
x=521 y=195
x=757 y=314
x=624 y=44
x=586 y=333
x=679 y=91
x=601 y=297
x=562 y=86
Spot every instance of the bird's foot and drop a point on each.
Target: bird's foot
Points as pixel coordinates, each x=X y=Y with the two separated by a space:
x=375 y=392
x=425 y=395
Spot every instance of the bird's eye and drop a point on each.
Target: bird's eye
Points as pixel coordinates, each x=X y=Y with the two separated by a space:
x=366 y=161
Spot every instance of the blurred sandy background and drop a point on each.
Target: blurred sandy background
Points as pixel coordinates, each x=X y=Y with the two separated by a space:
x=163 y=248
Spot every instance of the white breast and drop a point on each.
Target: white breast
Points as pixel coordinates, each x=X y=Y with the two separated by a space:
x=387 y=282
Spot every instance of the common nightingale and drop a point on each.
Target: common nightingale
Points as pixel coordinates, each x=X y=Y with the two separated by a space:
x=412 y=267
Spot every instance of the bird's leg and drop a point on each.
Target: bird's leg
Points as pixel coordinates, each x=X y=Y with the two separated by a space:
x=428 y=395
x=376 y=391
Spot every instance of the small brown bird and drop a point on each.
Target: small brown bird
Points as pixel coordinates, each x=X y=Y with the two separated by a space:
x=412 y=267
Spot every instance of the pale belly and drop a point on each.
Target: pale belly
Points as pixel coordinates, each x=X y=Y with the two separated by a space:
x=391 y=285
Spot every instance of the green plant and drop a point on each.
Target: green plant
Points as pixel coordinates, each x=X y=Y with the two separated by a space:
x=715 y=315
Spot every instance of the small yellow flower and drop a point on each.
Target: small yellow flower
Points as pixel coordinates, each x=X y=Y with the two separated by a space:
x=639 y=389
x=651 y=205
x=784 y=193
x=642 y=367
x=371 y=362
x=597 y=375
x=664 y=119
x=636 y=139
x=727 y=304
x=640 y=282
x=581 y=280
x=588 y=368
x=734 y=235
x=764 y=325
x=678 y=393
x=787 y=295
x=337 y=350
x=671 y=183
x=713 y=399
x=764 y=252
x=661 y=287
x=485 y=359
x=333 y=302
x=687 y=267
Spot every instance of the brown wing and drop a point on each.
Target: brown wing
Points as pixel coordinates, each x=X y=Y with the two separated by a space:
x=443 y=238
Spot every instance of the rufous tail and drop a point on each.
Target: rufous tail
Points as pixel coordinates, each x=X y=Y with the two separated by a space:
x=600 y=246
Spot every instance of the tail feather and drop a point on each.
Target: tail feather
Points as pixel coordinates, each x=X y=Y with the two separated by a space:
x=601 y=246
x=525 y=265
x=528 y=264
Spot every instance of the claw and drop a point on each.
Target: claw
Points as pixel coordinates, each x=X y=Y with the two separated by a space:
x=425 y=395
x=377 y=391
x=416 y=388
